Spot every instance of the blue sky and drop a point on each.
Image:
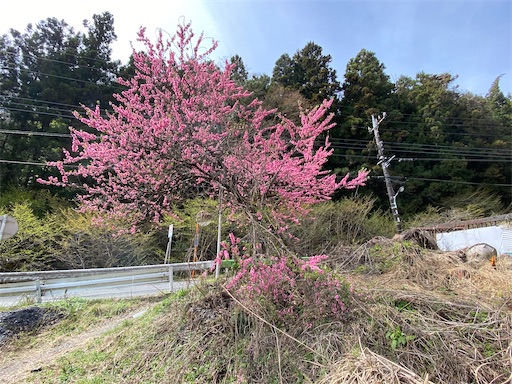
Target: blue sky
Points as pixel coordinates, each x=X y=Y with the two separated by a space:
x=468 y=38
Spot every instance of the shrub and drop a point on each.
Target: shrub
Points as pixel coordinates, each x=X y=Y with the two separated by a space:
x=32 y=247
x=83 y=243
x=284 y=288
x=348 y=221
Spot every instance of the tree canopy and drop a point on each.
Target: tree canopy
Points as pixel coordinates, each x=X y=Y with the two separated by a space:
x=180 y=129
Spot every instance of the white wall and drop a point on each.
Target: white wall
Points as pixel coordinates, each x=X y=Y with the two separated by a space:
x=453 y=241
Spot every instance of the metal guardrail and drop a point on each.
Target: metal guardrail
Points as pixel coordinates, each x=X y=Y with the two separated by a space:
x=53 y=285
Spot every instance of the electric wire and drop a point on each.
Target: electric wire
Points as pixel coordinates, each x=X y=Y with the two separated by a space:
x=19 y=162
x=39 y=164
x=114 y=85
x=79 y=57
x=35 y=133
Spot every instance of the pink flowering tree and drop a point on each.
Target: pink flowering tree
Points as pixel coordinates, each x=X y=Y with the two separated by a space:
x=182 y=127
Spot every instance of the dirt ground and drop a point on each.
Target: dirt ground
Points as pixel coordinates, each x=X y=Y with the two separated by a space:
x=15 y=367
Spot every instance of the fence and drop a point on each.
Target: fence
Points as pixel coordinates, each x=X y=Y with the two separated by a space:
x=94 y=283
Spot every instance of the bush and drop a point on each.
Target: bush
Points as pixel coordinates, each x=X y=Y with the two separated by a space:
x=348 y=221
x=67 y=239
x=469 y=206
x=82 y=243
x=32 y=247
x=284 y=288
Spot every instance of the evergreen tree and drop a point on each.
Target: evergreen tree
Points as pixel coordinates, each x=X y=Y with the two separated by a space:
x=309 y=72
x=238 y=74
x=366 y=90
x=47 y=72
x=501 y=106
x=452 y=136
x=317 y=79
x=258 y=85
x=284 y=72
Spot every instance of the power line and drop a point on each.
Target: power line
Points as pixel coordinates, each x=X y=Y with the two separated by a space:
x=34 y=163
x=484 y=152
x=71 y=117
x=56 y=111
x=491 y=125
x=42 y=101
x=477 y=160
x=415 y=146
x=113 y=85
x=20 y=54
x=375 y=177
x=35 y=133
x=425 y=149
x=402 y=179
x=456 y=181
x=412 y=153
x=417 y=115
x=484 y=157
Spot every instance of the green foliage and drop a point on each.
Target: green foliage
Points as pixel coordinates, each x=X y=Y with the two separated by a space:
x=351 y=220
x=478 y=203
x=381 y=255
x=80 y=314
x=500 y=105
x=49 y=70
x=239 y=74
x=467 y=206
x=309 y=72
x=41 y=200
x=32 y=247
x=54 y=237
x=201 y=211
x=366 y=88
x=72 y=307
x=449 y=132
x=84 y=243
x=288 y=101
x=397 y=338
x=283 y=71
x=258 y=85
x=384 y=258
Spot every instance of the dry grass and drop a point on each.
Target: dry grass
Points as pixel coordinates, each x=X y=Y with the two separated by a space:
x=367 y=367
x=451 y=321
x=417 y=317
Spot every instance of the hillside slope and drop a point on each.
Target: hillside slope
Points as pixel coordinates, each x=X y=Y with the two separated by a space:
x=415 y=316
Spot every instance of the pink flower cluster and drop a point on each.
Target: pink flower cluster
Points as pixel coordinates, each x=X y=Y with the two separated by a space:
x=290 y=287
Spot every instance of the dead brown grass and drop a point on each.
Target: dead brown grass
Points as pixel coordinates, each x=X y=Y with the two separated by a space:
x=451 y=321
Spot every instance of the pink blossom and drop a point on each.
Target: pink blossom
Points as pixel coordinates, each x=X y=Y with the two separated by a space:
x=179 y=126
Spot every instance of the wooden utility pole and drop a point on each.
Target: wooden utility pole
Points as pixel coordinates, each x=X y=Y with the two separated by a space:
x=384 y=162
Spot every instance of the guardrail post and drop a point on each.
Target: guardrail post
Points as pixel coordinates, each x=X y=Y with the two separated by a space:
x=38 y=291
x=171 y=278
